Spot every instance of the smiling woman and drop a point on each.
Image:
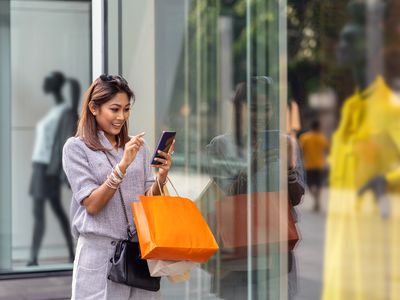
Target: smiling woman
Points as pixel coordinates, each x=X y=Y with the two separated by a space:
x=100 y=160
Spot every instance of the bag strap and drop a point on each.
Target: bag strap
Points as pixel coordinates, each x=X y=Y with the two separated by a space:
x=162 y=191
x=128 y=229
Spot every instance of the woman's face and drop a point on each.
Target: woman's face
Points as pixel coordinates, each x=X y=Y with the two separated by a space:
x=112 y=115
x=261 y=113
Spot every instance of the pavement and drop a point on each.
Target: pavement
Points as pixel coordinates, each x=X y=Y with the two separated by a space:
x=310 y=251
x=309 y=257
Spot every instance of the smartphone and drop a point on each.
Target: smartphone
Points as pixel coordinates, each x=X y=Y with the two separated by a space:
x=164 y=144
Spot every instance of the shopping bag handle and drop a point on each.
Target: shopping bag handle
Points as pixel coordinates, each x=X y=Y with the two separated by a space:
x=162 y=190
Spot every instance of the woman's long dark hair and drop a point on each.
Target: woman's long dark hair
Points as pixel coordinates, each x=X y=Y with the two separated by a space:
x=102 y=90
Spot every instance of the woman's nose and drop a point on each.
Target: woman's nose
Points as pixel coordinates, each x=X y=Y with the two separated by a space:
x=121 y=115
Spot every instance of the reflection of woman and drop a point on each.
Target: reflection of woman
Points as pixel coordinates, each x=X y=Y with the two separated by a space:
x=44 y=185
x=99 y=160
x=362 y=248
x=229 y=169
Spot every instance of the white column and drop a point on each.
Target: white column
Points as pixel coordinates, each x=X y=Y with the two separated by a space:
x=97 y=38
x=5 y=137
x=138 y=54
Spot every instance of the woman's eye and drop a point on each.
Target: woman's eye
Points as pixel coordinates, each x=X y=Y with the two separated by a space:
x=114 y=110
x=127 y=109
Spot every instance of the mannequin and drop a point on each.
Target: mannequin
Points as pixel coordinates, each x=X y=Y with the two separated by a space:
x=45 y=186
x=360 y=252
x=66 y=128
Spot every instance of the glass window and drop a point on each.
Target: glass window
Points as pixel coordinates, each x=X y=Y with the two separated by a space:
x=49 y=62
x=211 y=70
x=236 y=79
x=343 y=75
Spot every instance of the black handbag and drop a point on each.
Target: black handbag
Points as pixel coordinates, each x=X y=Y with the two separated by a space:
x=127 y=266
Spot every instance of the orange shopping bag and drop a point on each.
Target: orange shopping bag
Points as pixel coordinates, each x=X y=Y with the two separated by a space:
x=172 y=228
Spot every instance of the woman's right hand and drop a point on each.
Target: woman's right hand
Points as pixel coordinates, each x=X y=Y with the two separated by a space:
x=131 y=149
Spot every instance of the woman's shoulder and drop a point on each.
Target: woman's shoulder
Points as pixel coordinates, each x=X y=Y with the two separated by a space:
x=74 y=144
x=74 y=141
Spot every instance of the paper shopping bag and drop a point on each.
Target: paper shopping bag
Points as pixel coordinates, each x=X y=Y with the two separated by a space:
x=179 y=278
x=169 y=267
x=172 y=228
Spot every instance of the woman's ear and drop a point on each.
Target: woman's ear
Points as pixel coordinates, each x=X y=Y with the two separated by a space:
x=92 y=108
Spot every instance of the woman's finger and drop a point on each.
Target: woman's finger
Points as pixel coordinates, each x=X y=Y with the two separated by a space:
x=136 y=138
x=162 y=153
x=129 y=147
x=163 y=163
x=171 y=149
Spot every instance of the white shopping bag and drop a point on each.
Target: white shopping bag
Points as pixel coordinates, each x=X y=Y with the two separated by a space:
x=169 y=267
x=179 y=278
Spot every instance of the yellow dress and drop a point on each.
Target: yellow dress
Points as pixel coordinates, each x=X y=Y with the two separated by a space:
x=362 y=249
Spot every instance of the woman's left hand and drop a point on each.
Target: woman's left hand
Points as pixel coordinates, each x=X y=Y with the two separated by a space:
x=166 y=163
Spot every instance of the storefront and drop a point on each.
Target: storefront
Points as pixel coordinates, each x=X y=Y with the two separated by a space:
x=234 y=78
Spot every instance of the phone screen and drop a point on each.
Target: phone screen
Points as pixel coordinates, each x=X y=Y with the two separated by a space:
x=164 y=144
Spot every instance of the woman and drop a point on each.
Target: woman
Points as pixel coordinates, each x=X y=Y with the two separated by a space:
x=98 y=161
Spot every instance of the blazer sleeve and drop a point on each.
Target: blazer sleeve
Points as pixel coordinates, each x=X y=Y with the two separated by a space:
x=78 y=170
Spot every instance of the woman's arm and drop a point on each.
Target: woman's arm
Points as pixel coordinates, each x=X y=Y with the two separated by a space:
x=79 y=171
x=98 y=199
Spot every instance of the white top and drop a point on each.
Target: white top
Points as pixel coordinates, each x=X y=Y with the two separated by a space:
x=45 y=134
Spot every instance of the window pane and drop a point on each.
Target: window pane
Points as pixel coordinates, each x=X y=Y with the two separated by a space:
x=211 y=71
x=50 y=65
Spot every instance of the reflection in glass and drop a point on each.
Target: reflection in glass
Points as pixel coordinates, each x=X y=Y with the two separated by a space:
x=203 y=49
x=362 y=248
x=229 y=168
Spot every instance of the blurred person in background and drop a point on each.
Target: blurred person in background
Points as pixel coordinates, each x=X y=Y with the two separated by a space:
x=314 y=146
